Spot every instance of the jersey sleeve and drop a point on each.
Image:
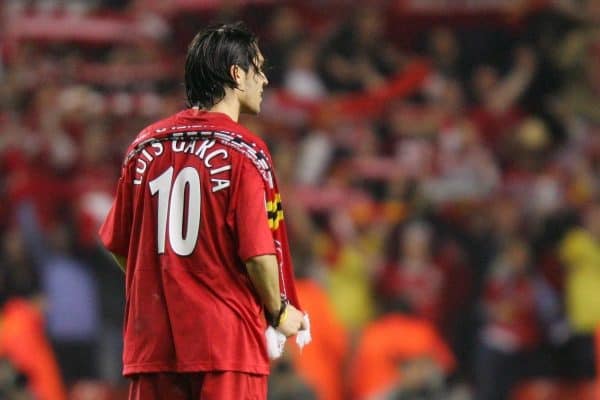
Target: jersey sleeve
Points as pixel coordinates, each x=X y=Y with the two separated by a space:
x=254 y=236
x=115 y=232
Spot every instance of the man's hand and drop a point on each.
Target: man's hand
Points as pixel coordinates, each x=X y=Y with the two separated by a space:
x=293 y=321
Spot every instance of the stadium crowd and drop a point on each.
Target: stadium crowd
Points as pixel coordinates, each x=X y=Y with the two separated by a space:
x=441 y=170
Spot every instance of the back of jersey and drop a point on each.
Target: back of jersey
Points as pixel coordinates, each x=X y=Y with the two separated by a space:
x=190 y=212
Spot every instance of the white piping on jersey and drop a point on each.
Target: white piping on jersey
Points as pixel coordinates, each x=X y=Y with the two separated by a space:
x=230 y=139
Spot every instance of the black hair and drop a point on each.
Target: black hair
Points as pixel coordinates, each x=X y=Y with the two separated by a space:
x=210 y=57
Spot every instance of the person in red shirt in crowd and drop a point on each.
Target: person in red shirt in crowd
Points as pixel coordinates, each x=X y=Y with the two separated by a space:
x=197 y=227
x=511 y=330
x=497 y=114
x=414 y=276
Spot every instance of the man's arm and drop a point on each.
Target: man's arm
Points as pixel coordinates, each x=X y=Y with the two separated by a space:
x=264 y=274
x=121 y=261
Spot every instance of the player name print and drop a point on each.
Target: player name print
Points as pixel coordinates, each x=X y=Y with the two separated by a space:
x=202 y=149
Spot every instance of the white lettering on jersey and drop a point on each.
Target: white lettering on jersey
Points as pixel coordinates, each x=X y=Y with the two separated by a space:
x=190 y=147
x=210 y=156
x=205 y=146
x=177 y=146
x=219 y=184
x=158 y=148
x=198 y=149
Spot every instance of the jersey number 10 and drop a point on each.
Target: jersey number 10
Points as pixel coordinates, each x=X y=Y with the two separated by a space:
x=172 y=204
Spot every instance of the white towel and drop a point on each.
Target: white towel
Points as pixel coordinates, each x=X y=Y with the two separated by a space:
x=303 y=337
x=276 y=340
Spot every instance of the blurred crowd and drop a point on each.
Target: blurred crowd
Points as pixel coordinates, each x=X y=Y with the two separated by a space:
x=441 y=174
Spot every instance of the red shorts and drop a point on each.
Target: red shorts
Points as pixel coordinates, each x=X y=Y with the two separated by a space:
x=218 y=385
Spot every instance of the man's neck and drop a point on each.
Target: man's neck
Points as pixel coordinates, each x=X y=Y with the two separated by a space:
x=229 y=106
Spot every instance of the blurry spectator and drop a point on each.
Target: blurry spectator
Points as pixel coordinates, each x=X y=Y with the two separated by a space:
x=27 y=364
x=23 y=342
x=496 y=110
x=286 y=384
x=17 y=268
x=301 y=78
x=321 y=365
x=357 y=56
x=504 y=222
x=447 y=67
x=577 y=106
x=350 y=272
x=422 y=379
x=59 y=146
x=327 y=151
x=38 y=156
x=73 y=309
x=398 y=343
x=456 y=318
x=92 y=190
x=316 y=150
x=577 y=41
x=511 y=329
x=580 y=253
x=93 y=186
x=445 y=53
x=414 y=276
x=530 y=176
x=284 y=35
x=411 y=130
x=465 y=168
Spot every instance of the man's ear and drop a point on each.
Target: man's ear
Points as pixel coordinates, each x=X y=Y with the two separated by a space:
x=235 y=72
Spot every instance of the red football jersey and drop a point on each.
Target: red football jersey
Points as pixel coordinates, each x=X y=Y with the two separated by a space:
x=186 y=215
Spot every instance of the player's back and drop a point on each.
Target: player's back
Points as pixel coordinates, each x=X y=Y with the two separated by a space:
x=190 y=304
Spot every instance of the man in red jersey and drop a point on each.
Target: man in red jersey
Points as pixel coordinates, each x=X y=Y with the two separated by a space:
x=197 y=227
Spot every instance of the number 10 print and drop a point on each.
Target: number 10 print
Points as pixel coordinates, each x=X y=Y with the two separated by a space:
x=172 y=200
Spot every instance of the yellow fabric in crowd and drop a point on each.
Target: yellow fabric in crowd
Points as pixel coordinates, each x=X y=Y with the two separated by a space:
x=580 y=252
x=350 y=290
